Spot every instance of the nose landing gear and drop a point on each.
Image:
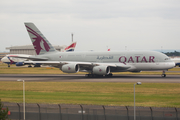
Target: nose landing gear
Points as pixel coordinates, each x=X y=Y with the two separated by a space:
x=163 y=74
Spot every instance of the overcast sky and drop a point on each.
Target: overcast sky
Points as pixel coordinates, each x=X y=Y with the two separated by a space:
x=96 y=24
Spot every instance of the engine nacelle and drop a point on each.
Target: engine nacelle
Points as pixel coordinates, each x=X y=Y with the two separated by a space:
x=19 y=64
x=101 y=70
x=70 y=68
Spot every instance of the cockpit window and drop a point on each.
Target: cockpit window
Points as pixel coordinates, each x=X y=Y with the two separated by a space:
x=167 y=58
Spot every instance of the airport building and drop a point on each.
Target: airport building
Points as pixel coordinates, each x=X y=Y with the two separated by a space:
x=29 y=49
x=26 y=49
x=2 y=55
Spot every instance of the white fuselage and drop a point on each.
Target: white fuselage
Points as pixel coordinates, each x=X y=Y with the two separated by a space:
x=137 y=60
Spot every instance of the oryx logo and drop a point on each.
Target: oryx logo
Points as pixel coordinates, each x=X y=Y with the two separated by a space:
x=100 y=69
x=39 y=43
x=69 y=68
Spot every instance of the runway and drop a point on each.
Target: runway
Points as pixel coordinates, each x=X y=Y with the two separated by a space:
x=82 y=78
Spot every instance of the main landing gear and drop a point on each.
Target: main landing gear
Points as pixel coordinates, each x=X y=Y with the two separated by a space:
x=94 y=75
x=29 y=66
x=163 y=74
x=37 y=65
x=109 y=75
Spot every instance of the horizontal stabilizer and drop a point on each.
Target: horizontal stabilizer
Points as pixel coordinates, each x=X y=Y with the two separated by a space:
x=29 y=57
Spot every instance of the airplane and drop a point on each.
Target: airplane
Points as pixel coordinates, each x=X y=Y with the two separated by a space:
x=19 y=59
x=11 y=59
x=95 y=63
x=177 y=61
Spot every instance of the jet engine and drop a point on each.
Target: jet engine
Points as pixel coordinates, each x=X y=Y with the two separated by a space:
x=70 y=68
x=101 y=70
x=19 y=64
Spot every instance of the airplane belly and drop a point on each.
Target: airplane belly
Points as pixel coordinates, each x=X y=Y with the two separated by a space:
x=154 y=66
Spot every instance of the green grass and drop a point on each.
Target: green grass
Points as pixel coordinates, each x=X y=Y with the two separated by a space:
x=121 y=94
x=148 y=94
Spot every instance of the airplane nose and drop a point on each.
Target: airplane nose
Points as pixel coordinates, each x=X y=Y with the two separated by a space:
x=172 y=64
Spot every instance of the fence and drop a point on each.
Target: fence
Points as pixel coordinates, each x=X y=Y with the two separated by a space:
x=89 y=112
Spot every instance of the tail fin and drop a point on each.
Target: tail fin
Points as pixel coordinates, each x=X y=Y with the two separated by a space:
x=71 y=47
x=40 y=43
x=11 y=61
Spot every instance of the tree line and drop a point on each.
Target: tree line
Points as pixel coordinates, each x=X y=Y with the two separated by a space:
x=175 y=53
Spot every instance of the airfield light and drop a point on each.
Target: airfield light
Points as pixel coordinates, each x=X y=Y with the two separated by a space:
x=19 y=80
x=138 y=83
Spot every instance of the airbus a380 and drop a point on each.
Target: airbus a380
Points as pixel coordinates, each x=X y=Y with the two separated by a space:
x=95 y=63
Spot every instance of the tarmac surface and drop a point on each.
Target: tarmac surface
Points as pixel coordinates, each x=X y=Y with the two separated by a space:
x=83 y=78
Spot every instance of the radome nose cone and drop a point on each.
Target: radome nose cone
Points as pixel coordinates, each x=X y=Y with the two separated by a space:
x=172 y=64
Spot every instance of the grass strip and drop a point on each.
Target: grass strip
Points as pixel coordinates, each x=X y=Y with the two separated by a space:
x=147 y=94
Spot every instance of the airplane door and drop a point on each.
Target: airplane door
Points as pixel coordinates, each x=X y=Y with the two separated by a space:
x=157 y=63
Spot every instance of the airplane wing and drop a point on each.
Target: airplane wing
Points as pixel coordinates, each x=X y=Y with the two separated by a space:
x=82 y=64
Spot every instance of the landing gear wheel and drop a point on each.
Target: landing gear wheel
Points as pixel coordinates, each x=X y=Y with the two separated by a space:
x=29 y=66
x=89 y=75
x=163 y=75
x=37 y=65
x=8 y=65
x=93 y=75
x=109 y=75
